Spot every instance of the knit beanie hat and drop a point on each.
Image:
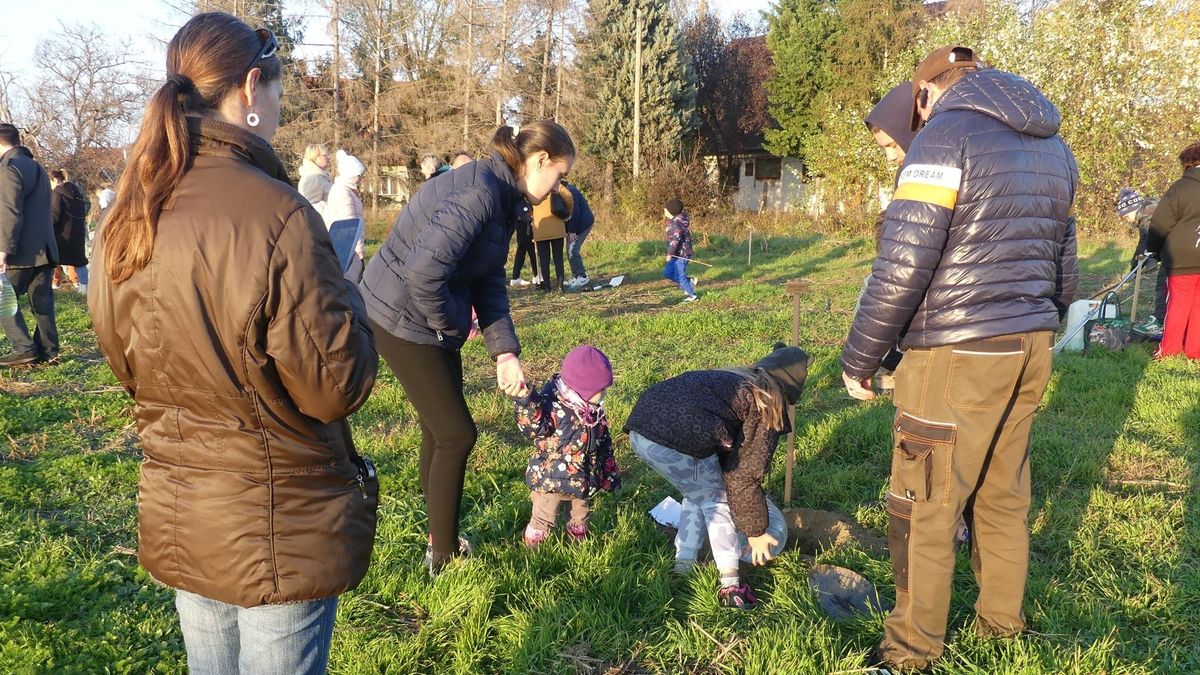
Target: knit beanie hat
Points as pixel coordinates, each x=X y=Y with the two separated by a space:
x=348 y=165
x=789 y=367
x=587 y=371
x=1128 y=201
x=674 y=207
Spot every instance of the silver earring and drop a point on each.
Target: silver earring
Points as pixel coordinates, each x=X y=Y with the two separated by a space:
x=252 y=119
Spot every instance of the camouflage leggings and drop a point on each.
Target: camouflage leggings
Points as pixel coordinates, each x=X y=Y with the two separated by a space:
x=705 y=506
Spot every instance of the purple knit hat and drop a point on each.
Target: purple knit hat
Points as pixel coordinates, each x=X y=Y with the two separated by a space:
x=587 y=371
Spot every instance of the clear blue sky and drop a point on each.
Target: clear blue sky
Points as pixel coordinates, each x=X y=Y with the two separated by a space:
x=148 y=24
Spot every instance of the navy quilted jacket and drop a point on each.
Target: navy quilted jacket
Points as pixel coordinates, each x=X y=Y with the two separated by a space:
x=977 y=241
x=444 y=256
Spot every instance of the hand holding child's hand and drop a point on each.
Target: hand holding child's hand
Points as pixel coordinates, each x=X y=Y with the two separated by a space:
x=858 y=389
x=509 y=375
x=760 y=548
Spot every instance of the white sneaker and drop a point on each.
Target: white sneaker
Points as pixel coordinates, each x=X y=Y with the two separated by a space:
x=690 y=298
x=584 y=281
x=518 y=282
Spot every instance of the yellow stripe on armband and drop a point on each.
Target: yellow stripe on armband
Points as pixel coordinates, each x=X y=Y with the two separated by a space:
x=930 y=194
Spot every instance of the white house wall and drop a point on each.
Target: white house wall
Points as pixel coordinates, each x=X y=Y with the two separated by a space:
x=785 y=193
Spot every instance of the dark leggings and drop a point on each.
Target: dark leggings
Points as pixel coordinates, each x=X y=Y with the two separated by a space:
x=544 y=249
x=524 y=247
x=432 y=379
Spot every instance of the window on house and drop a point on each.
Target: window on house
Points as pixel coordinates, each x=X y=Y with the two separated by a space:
x=749 y=168
x=769 y=167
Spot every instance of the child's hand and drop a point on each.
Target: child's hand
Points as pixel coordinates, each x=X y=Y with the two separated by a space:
x=760 y=548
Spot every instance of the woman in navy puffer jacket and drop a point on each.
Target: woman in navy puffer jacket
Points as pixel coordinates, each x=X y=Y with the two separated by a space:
x=444 y=257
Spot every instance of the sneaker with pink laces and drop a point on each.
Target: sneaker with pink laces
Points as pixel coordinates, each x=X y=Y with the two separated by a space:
x=577 y=532
x=534 y=536
x=737 y=597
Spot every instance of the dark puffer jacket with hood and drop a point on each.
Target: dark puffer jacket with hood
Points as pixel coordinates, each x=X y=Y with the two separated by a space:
x=978 y=241
x=445 y=255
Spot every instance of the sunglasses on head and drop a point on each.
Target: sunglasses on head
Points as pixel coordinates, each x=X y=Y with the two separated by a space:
x=268 y=49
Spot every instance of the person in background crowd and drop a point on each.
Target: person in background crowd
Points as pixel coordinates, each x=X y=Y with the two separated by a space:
x=550 y=233
x=444 y=258
x=220 y=306
x=344 y=201
x=460 y=158
x=28 y=250
x=579 y=226
x=1137 y=211
x=525 y=248
x=1175 y=238
x=679 y=248
x=314 y=175
x=69 y=208
x=432 y=166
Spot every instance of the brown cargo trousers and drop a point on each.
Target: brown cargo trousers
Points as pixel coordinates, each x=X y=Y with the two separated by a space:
x=961 y=444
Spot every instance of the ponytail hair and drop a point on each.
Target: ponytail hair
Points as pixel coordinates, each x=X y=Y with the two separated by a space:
x=207 y=59
x=542 y=136
x=768 y=398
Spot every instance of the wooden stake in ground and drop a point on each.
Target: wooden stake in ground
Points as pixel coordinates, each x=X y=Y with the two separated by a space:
x=795 y=288
x=1137 y=288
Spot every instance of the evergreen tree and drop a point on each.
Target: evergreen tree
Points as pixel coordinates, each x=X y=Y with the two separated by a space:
x=798 y=36
x=668 y=86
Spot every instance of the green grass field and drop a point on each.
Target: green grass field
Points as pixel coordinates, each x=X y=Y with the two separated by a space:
x=1115 y=573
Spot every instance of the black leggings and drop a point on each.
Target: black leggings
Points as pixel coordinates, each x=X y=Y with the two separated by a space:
x=432 y=379
x=524 y=247
x=544 y=249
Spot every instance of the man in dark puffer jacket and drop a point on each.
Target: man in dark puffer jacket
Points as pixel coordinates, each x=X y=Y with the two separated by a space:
x=975 y=270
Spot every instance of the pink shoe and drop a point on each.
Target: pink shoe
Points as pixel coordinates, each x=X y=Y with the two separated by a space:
x=534 y=537
x=577 y=533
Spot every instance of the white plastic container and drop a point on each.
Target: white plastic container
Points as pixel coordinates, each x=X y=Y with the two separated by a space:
x=1077 y=314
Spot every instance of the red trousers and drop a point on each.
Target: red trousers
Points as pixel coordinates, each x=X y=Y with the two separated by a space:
x=1181 y=329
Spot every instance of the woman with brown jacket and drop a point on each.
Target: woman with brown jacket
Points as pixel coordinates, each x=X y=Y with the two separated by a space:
x=221 y=308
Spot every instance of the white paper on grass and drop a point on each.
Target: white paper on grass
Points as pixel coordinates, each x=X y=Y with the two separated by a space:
x=616 y=281
x=667 y=512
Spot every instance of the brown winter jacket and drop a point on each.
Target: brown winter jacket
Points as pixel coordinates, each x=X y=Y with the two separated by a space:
x=1175 y=229
x=244 y=350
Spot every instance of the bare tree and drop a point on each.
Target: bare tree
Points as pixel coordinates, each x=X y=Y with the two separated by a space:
x=87 y=97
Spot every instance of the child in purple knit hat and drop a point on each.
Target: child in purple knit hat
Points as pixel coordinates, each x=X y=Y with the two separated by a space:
x=572 y=456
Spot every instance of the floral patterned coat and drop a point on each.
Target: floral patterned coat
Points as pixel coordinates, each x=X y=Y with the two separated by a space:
x=570 y=457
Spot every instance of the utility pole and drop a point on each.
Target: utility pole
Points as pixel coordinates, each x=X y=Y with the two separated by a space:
x=637 y=100
x=470 y=74
x=375 y=112
x=337 y=75
x=546 y=59
x=503 y=58
x=561 y=56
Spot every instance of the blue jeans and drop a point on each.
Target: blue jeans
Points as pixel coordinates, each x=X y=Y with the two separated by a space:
x=267 y=640
x=573 y=256
x=676 y=271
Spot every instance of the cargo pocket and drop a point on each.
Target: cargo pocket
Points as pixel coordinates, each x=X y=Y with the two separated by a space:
x=921 y=457
x=983 y=374
x=899 y=529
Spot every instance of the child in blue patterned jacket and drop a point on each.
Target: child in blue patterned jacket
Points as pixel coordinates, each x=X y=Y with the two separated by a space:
x=679 y=248
x=572 y=458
